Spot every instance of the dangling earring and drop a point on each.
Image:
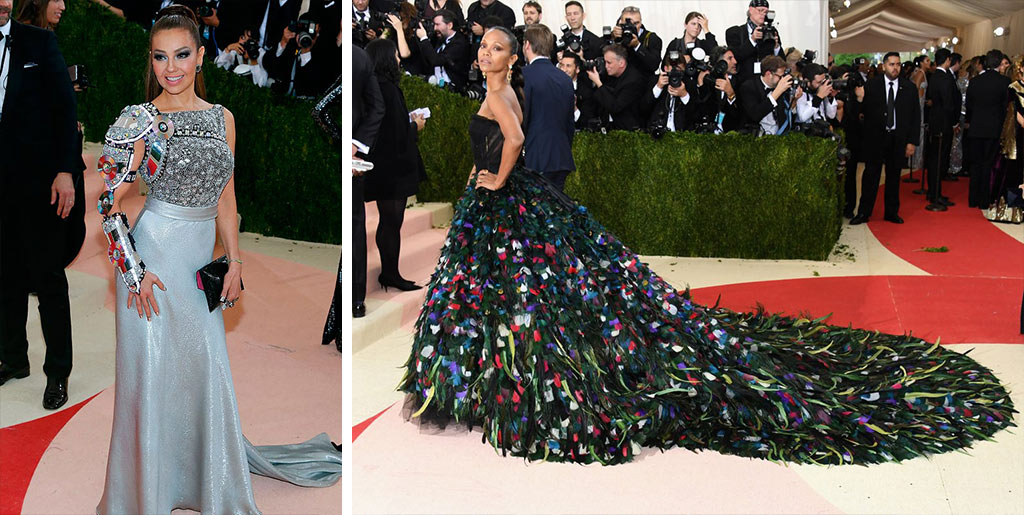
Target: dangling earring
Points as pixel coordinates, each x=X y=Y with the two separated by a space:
x=199 y=68
x=510 y=73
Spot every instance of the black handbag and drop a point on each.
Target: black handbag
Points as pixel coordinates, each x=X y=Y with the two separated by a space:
x=210 y=279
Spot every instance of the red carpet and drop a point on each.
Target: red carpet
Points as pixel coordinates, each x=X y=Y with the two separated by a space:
x=24 y=445
x=360 y=427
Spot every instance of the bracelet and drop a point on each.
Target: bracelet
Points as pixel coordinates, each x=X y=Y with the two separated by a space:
x=239 y=261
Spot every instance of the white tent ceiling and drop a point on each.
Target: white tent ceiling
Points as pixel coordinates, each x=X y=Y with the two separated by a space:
x=907 y=25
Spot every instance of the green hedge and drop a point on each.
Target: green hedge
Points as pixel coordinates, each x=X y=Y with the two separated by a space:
x=286 y=173
x=689 y=194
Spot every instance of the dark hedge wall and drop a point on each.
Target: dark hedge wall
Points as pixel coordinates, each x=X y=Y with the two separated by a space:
x=688 y=194
x=286 y=173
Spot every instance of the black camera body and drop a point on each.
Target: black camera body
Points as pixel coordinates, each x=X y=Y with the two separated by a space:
x=768 y=29
x=519 y=31
x=305 y=32
x=251 y=48
x=629 y=31
x=698 y=63
x=570 y=41
x=594 y=64
x=202 y=8
x=846 y=87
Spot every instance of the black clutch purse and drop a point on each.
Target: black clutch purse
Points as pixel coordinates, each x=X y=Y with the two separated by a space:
x=210 y=280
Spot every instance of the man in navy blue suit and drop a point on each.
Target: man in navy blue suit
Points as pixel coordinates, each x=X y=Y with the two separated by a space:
x=550 y=101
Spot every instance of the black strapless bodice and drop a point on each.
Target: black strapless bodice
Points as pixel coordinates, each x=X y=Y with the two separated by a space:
x=487 y=139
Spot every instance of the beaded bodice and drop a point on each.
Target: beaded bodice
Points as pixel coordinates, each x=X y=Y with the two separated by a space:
x=199 y=161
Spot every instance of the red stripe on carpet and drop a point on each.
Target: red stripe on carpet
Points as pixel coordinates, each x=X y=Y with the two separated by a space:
x=22 y=446
x=955 y=309
x=976 y=246
x=362 y=426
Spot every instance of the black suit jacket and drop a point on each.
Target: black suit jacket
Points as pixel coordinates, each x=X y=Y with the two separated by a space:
x=708 y=43
x=455 y=58
x=367 y=102
x=987 y=95
x=585 y=103
x=39 y=139
x=397 y=166
x=944 y=111
x=908 y=114
x=476 y=14
x=311 y=79
x=647 y=56
x=683 y=115
x=592 y=45
x=278 y=18
x=548 y=113
x=753 y=96
x=737 y=39
x=622 y=97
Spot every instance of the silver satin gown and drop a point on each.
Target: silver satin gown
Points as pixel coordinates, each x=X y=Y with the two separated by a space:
x=177 y=441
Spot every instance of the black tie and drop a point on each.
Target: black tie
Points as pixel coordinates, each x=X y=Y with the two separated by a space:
x=890 y=111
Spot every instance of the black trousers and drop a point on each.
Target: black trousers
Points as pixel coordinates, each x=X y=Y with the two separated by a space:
x=891 y=154
x=557 y=178
x=850 y=183
x=940 y=144
x=45 y=276
x=983 y=157
x=389 y=236
x=358 y=240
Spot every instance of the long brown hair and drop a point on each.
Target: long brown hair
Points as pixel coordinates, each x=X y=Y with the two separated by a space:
x=33 y=12
x=173 y=17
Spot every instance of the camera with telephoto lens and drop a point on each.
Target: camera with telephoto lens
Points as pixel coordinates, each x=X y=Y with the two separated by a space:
x=78 y=78
x=251 y=47
x=629 y=31
x=808 y=58
x=768 y=29
x=202 y=8
x=698 y=63
x=847 y=87
x=305 y=32
x=519 y=31
x=569 y=41
x=594 y=64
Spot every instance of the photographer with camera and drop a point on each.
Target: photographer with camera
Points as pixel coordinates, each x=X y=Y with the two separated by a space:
x=403 y=30
x=818 y=103
x=850 y=88
x=753 y=41
x=585 y=111
x=695 y=25
x=722 y=105
x=670 y=103
x=367 y=23
x=766 y=102
x=575 y=36
x=619 y=89
x=479 y=11
x=300 y=66
x=243 y=57
x=429 y=8
x=451 y=57
x=643 y=45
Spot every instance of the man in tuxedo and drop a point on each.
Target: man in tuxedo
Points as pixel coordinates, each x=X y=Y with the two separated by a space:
x=302 y=71
x=724 y=105
x=548 y=110
x=766 y=108
x=367 y=115
x=644 y=46
x=986 y=109
x=479 y=11
x=747 y=43
x=591 y=44
x=38 y=131
x=277 y=15
x=585 y=112
x=450 y=60
x=892 y=126
x=619 y=91
x=366 y=24
x=672 y=108
x=942 y=113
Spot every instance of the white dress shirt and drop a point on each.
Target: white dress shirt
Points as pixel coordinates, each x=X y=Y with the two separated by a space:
x=5 y=56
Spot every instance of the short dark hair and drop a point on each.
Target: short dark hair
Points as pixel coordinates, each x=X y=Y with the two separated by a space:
x=718 y=53
x=535 y=5
x=616 y=49
x=446 y=15
x=382 y=54
x=771 y=63
x=955 y=58
x=993 y=58
x=490 y=22
x=890 y=54
x=576 y=59
x=919 y=59
x=942 y=55
x=541 y=39
x=574 y=2
x=812 y=70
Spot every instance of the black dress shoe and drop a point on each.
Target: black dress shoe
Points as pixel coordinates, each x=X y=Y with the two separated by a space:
x=946 y=202
x=399 y=284
x=859 y=219
x=936 y=206
x=56 y=394
x=894 y=219
x=358 y=310
x=8 y=372
x=848 y=214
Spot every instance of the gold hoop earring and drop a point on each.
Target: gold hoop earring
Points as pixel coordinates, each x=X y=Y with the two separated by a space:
x=509 y=74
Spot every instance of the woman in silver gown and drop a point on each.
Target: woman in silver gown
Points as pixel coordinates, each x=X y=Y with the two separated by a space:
x=177 y=440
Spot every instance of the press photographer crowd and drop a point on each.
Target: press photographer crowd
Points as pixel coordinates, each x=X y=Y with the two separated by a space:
x=626 y=78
